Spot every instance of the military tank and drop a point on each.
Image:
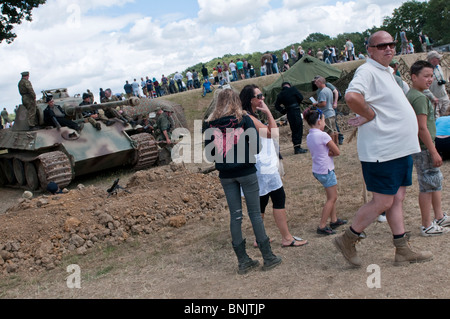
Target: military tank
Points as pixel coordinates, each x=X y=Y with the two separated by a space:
x=30 y=159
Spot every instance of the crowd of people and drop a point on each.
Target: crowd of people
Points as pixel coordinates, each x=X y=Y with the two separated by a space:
x=397 y=130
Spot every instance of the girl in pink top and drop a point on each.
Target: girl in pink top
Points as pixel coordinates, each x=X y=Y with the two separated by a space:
x=323 y=149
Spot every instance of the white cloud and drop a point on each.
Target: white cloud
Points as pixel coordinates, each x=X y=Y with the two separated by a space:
x=230 y=11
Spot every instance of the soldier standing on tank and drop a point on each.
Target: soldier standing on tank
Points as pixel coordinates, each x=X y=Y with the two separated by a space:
x=28 y=98
x=5 y=116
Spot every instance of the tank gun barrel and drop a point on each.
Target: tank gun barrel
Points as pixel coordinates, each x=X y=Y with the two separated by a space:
x=74 y=110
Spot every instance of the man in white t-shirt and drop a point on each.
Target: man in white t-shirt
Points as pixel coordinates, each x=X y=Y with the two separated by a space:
x=190 y=80
x=387 y=136
x=135 y=86
x=233 y=70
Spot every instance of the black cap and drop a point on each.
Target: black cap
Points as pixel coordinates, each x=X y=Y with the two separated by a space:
x=52 y=187
x=285 y=83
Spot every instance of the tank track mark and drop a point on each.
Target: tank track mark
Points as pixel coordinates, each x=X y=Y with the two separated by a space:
x=54 y=167
x=146 y=151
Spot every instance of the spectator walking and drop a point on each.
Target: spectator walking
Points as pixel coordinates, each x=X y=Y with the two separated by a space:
x=387 y=136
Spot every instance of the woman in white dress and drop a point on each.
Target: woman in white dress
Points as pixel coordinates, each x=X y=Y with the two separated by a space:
x=268 y=164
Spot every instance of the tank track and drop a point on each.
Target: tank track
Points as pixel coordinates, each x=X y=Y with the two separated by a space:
x=54 y=167
x=32 y=172
x=146 y=151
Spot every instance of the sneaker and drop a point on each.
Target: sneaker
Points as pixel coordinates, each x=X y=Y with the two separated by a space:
x=433 y=230
x=444 y=221
x=325 y=231
x=382 y=218
x=337 y=223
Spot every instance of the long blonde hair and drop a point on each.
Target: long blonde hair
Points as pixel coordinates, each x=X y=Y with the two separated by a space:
x=228 y=104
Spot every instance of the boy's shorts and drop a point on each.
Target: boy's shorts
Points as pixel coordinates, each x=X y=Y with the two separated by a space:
x=387 y=177
x=330 y=125
x=327 y=180
x=429 y=177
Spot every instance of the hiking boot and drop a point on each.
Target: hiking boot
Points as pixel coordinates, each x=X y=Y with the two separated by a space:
x=337 y=223
x=341 y=139
x=444 y=221
x=98 y=126
x=346 y=245
x=299 y=150
x=270 y=260
x=433 y=230
x=109 y=123
x=404 y=254
x=245 y=262
x=325 y=231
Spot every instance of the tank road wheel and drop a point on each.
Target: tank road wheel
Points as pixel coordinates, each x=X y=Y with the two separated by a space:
x=3 y=180
x=19 y=171
x=31 y=176
x=54 y=167
x=146 y=151
x=8 y=169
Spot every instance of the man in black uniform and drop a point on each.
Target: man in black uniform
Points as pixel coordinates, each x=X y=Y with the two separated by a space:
x=291 y=98
x=55 y=116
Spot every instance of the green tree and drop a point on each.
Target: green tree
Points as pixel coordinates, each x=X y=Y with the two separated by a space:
x=12 y=12
x=411 y=16
x=317 y=37
x=436 y=25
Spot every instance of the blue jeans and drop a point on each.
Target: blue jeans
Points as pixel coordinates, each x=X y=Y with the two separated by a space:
x=250 y=188
x=235 y=76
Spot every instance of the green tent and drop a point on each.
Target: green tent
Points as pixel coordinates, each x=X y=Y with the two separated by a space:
x=300 y=75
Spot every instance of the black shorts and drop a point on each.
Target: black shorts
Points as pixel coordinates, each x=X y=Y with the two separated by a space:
x=278 y=199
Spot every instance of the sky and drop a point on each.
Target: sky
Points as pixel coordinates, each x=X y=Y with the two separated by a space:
x=92 y=44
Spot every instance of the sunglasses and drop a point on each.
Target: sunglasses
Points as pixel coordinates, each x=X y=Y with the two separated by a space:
x=383 y=46
x=259 y=96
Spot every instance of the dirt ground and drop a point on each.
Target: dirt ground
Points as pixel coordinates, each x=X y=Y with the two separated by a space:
x=169 y=238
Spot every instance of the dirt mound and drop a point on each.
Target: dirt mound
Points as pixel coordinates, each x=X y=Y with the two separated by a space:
x=37 y=233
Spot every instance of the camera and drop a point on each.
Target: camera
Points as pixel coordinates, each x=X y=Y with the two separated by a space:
x=441 y=82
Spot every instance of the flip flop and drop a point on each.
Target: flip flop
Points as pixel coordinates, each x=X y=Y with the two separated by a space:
x=293 y=242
